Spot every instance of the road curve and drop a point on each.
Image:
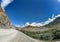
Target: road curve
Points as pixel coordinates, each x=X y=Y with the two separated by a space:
x=11 y=35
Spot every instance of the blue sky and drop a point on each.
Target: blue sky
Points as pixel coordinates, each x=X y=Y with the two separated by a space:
x=22 y=11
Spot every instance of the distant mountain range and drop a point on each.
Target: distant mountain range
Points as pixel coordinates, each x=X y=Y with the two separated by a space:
x=55 y=23
x=49 y=31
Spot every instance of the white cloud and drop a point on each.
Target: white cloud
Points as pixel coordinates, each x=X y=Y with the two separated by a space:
x=51 y=19
x=53 y=15
x=58 y=0
x=33 y=24
x=17 y=25
x=44 y=23
x=36 y=24
x=40 y=24
x=5 y=3
x=27 y=23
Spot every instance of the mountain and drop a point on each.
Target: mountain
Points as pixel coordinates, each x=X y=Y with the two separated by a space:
x=55 y=23
x=4 y=21
x=50 y=31
x=30 y=26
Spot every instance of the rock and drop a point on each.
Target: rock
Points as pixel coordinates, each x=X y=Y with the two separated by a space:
x=3 y=18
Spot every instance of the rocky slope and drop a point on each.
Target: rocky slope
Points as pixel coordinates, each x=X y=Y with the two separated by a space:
x=4 y=21
x=11 y=35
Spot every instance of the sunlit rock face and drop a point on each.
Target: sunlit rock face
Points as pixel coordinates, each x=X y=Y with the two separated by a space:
x=3 y=18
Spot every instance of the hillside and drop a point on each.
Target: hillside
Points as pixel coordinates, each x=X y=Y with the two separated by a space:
x=4 y=21
x=54 y=24
x=11 y=35
x=50 y=31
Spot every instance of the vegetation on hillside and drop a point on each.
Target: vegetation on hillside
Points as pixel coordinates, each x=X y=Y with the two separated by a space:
x=53 y=34
x=50 y=31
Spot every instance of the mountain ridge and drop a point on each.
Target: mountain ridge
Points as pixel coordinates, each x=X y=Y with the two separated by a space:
x=55 y=23
x=4 y=21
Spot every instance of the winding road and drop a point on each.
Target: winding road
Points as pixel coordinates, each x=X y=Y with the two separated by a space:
x=12 y=35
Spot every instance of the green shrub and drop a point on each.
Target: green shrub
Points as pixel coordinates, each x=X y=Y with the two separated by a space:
x=53 y=34
x=47 y=36
x=56 y=34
